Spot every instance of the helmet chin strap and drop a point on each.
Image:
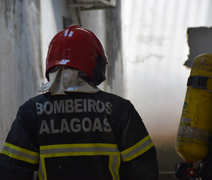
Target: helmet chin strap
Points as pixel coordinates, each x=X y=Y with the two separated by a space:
x=67 y=80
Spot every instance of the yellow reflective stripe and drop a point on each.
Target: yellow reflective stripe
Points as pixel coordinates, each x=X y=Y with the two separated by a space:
x=111 y=166
x=59 y=150
x=77 y=154
x=136 y=145
x=21 y=149
x=78 y=150
x=114 y=165
x=118 y=166
x=138 y=149
x=20 y=153
x=140 y=152
x=78 y=145
x=42 y=170
x=39 y=174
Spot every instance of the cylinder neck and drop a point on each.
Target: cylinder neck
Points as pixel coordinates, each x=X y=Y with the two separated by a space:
x=189 y=164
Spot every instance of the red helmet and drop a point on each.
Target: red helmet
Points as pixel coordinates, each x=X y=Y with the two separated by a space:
x=78 y=48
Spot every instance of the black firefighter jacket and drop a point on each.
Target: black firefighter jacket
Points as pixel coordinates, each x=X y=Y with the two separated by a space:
x=78 y=136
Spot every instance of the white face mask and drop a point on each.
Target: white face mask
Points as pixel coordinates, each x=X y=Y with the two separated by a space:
x=67 y=80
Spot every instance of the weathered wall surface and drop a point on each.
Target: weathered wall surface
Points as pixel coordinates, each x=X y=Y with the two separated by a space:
x=20 y=60
x=155 y=49
x=115 y=72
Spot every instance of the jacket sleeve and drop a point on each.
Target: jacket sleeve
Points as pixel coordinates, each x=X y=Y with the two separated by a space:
x=19 y=156
x=137 y=150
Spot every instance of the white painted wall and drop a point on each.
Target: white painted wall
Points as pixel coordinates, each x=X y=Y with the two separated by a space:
x=154 y=50
x=51 y=17
x=20 y=74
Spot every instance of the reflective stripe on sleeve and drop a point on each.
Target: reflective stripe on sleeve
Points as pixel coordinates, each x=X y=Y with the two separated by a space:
x=60 y=150
x=20 y=153
x=138 y=149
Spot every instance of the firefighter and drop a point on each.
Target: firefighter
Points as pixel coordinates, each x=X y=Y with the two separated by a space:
x=74 y=130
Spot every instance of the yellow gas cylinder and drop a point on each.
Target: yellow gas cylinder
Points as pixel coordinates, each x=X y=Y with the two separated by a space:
x=195 y=127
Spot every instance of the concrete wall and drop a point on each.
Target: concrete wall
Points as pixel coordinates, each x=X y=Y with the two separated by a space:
x=115 y=82
x=20 y=60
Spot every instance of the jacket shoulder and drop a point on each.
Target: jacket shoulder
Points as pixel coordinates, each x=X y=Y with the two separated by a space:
x=114 y=97
x=31 y=102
